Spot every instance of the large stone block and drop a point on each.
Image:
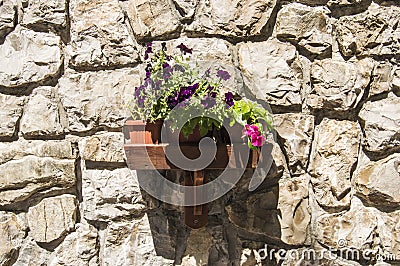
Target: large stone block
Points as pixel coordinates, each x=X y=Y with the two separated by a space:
x=10 y=113
x=29 y=57
x=11 y=235
x=333 y=156
x=52 y=218
x=99 y=35
x=46 y=14
x=270 y=72
x=8 y=17
x=381 y=122
x=107 y=147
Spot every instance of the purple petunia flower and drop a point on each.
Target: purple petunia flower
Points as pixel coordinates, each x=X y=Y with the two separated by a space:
x=184 y=49
x=193 y=88
x=208 y=102
x=179 y=68
x=167 y=71
x=223 y=75
x=229 y=99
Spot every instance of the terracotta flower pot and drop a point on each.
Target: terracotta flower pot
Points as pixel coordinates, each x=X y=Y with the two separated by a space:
x=141 y=132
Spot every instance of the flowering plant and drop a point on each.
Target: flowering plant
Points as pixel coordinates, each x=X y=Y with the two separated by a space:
x=174 y=90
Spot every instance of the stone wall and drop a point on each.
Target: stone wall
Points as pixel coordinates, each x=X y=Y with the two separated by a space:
x=329 y=69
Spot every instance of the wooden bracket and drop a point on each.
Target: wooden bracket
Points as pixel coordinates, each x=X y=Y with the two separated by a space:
x=195 y=216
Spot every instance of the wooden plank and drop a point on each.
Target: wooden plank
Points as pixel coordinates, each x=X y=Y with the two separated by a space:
x=152 y=156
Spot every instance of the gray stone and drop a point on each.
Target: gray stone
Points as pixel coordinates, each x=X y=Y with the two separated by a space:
x=153 y=19
x=198 y=247
x=94 y=99
x=46 y=14
x=21 y=179
x=29 y=57
x=8 y=17
x=333 y=156
x=379 y=182
x=338 y=85
x=307 y=27
x=31 y=254
x=270 y=73
x=107 y=147
x=11 y=235
x=381 y=122
x=381 y=79
x=312 y=2
x=52 y=218
x=43 y=114
x=78 y=248
x=10 y=113
x=16 y=150
x=297 y=131
x=110 y=194
x=232 y=18
x=99 y=35
x=373 y=32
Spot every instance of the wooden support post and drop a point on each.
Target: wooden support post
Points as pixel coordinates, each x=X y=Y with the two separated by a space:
x=195 y=216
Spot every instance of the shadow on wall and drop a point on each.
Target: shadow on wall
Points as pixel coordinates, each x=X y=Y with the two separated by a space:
x=238 y=222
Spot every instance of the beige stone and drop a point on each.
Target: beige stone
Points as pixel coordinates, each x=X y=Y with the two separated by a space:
x=10 y=113
x=381 y=79
x=107 y=147
x=8 y=17
x=11 y=235
x=31 y=254
x=333 y=156
x=52 y=218
x=347 y=7
x=45 y=14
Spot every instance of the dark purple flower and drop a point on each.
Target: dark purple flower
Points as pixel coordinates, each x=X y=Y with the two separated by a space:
x=167 y=71
x=150 y=44
x=172 y=100
x=184 y=49
x=208 y=102
x=165 y=65
x=213 y=94
x=223 y=74
x=179 y=68
x=140 y=101
x=169 y=58
x=229 y=99
x=158 y=85
x=148 y=51
x=193 y=87
x=148 y=70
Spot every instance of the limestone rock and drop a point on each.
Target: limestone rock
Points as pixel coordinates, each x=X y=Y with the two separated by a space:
x=94 y=99
x=16 y=150
x=334 y=153
x=296 y=130
x=151 y=19
x=78 y=248
x=11 y=235
x=31 y=254
x=307 y=27
x=382 y=79
x=23 y=178
x=338 y=85
x=186 y=8
x=130 y=244
x=381 y=122
x=44 y=14
x=8 y=17
x=373 y=32
x=313 y=2
x=198 y=246
x=396 y=77
x=29 y=57
x=232 y=18
x=347 y=7
x=10 y=113
x=110 y=194
x=42 y=114
x=379 y=182
x=107 y=147
x=52 y=218
x=269 y=72
x=99 y=35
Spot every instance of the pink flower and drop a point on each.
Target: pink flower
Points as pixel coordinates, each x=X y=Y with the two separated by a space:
x=256 y=138
x=257 y=141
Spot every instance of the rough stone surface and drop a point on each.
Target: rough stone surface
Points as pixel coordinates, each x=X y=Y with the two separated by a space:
x=186 y=8
x=347 y=7
x=235 y=19
x=43 y=14
x=52 y=218
x=28 y=56
x=11 y=235
x=270 y=73
x=373 y=32
x=307 y=27
x=99 y=35
x=8 y=16
x=110 y=194
x=381 y=123
x=379 y=182
x=89 y=105
x=43 y=114
x=333 y=156
x=338 y=85
x=296 y=131
x=381 y=79
x=10 y=113
x=31 y=254
x=23 y=178
x=106 y=147
x=153 y=18
x=78 y=248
